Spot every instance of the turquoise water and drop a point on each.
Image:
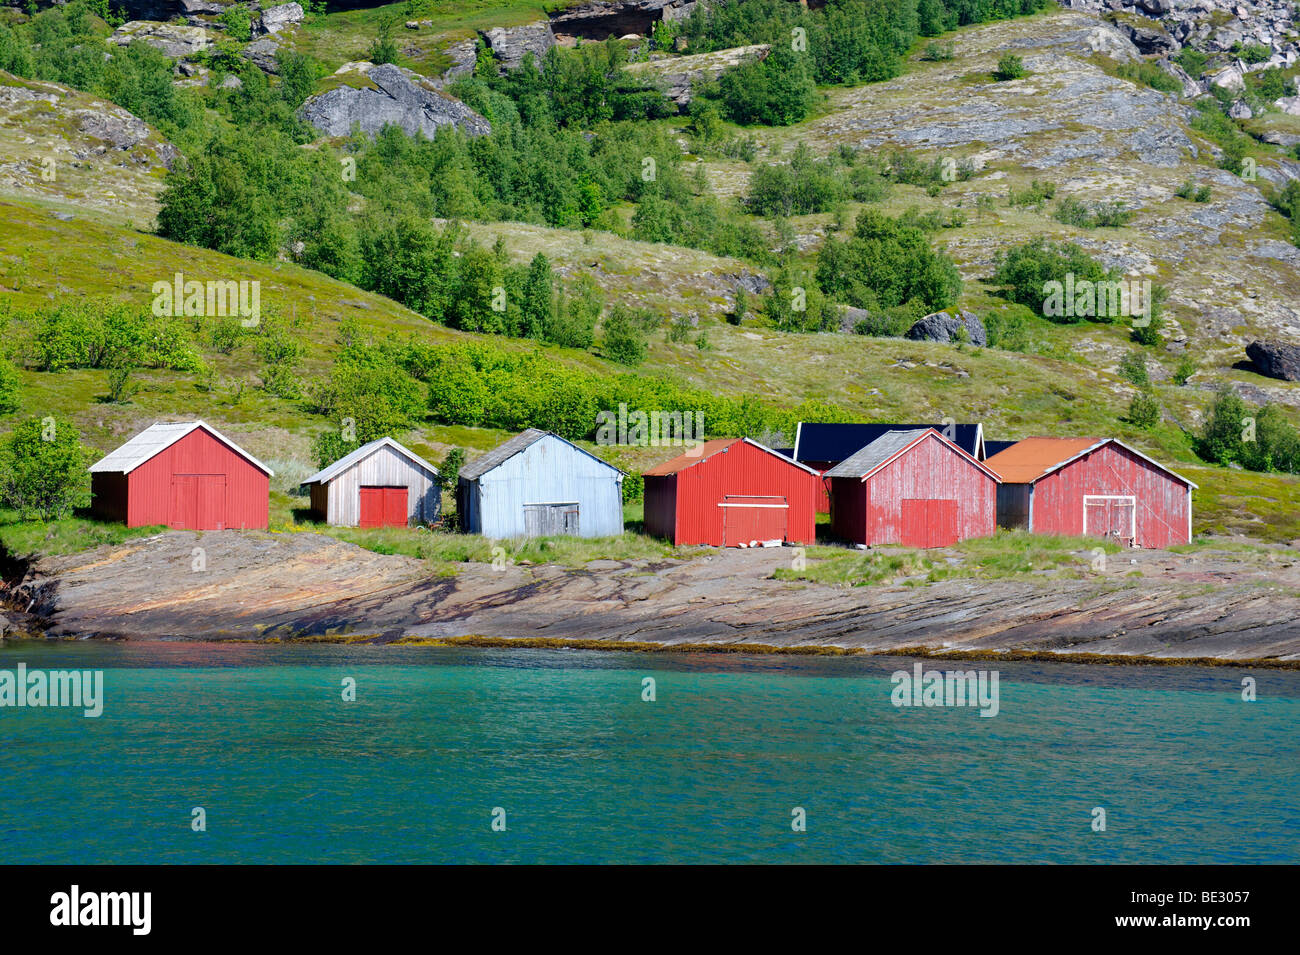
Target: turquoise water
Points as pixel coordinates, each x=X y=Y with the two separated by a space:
x=587 y=772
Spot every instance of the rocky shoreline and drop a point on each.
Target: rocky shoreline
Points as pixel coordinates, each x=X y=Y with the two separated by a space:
x=1213 y=606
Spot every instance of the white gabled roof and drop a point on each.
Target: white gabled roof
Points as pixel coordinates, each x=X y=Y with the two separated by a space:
x=360 y=454
x=157 y=438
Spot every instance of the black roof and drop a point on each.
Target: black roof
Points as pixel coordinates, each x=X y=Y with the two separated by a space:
x=994 y=447
x=834 y=443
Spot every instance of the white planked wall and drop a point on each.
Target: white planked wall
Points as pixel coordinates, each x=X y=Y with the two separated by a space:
x=384 y=467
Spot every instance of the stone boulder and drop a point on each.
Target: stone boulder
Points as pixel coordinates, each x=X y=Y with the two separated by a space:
x=389 y=95
x=275 y=19
x=1275 y=359
x=602 y=19
x=945 y=327
x=511 y=44
x=464 y=56
x=172 y=39
x=261 y=53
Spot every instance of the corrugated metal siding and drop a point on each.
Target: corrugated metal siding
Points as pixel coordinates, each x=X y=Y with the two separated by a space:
x=932 y=470
x=247 y=488
x=386 y=467
x=742 y=470
x=1013 y=506
x=1162 y=501
x=661 y=505
x=549 y=471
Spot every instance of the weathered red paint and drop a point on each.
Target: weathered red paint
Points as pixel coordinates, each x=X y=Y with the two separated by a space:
x=197 y=483
x=931 y=495
x=734 y=493
x=1161 y=505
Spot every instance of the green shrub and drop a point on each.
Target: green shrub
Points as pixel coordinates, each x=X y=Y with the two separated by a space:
x=1026 y=270
x=238 y=23
x=1144 y=410
x=624 y=337
x=1192 y=60
x=1037 y=194
x=1184 y=370
x=1010 y=67
x=887 y=262
x=775 y=91
x=43 y=469
x=1133 y=368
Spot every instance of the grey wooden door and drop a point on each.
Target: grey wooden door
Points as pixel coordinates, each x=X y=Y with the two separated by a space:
x=550 y=520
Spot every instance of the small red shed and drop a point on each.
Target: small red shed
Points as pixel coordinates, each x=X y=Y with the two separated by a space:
x=913 y=488
x=1092 y=487
x=183 y=474
x=731 y=492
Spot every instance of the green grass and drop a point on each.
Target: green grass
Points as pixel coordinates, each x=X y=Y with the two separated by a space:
x=344 y=36
x=1006 y=555
x=67 y=535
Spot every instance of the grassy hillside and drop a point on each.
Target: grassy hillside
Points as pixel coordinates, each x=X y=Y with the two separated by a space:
x=1228 y=265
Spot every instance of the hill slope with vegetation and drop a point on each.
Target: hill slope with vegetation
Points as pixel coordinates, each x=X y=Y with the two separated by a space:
x=755 y=255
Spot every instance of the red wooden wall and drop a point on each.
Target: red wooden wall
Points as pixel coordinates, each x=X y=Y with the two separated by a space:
x=152 y=493
x=872 y=512
x=684 y=507
x=1163 y=502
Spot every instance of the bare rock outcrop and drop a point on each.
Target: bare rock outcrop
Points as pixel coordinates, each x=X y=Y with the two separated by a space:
x=389 y=95
x=511 y=44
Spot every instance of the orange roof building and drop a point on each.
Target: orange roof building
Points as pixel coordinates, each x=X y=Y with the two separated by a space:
x=1092 y=487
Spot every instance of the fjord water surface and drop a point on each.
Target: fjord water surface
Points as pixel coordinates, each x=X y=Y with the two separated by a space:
x=561 y=744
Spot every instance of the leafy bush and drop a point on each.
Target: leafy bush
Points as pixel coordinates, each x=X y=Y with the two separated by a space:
x=1133 y=368
x=1144 y=410
x=1260 y=441
x=1190 y=190
x=1092 y=215
x=43 y=469
x=1184 y=370
x=1192 y=60
x=885 y=263
x=775 y=91
x=1025 y=271
x=1037 y=194
x=625 y=340
x=100 y=333
x=238 y=23
x=937 y=52
x=1010 y=67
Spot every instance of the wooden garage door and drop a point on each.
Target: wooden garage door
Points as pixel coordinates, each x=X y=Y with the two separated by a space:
x=1110 y=516
x=551 y=520
x=383 y=506
x=750 y=518
x=928 y=523
x=198 y=502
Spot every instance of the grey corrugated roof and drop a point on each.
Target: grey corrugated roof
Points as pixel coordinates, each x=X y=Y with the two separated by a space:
x=865 y=460
x=157 y=438
x=360 y=454
x=508 y=449
x=502 y=452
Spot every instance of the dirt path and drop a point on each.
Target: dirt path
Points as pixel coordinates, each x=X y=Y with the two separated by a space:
x=264 y=586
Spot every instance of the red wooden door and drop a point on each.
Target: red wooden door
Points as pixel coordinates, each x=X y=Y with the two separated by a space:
x=383 y=507
x=753 y=518
x=928 y=523
x=198 y=502
x=1110 y=516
